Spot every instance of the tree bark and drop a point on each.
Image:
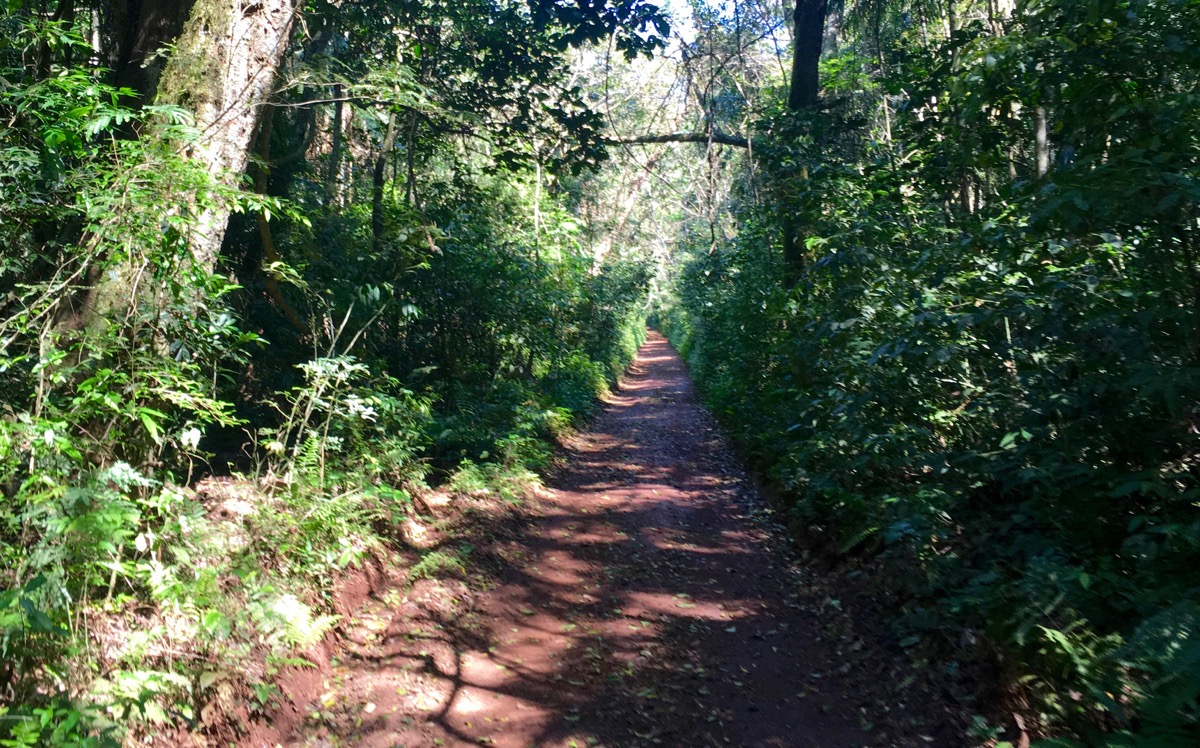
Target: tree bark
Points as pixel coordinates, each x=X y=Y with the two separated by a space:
x=1041 y=141
x=833 y=30
x=64 y=16
x=335 y=149
x=683 y=137
x=223 y=69
x=809 y=20
x=379 y=181
x=142 y=30
x=809 y=28
x=270 y=251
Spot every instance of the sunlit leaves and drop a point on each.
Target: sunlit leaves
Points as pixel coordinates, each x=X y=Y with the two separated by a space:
x=982 y=371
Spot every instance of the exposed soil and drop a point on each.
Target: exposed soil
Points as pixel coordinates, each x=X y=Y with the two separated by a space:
x=647 y=598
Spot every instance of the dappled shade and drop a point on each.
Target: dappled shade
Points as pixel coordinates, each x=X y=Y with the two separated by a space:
x=642 y=602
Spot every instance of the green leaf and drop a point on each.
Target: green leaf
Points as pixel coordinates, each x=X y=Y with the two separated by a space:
x=147 y=418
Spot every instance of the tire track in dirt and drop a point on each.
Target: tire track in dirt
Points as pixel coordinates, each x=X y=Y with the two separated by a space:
x=640 y=602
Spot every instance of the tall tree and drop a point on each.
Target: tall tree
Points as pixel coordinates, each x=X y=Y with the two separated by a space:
x=804 y=91
x=809 y=26
x=223 y=69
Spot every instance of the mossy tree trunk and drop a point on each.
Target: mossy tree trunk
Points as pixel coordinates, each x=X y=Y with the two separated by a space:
x=223 y=68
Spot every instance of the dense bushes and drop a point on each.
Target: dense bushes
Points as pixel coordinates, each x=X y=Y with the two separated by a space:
x=986 y=375
x=443 y=343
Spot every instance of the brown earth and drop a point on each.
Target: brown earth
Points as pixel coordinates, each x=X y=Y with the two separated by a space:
x=646 y=598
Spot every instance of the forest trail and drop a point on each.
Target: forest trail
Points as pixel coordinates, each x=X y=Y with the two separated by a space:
x=644 y=601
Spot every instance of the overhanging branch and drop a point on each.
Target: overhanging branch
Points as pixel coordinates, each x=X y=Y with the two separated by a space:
x=683 y=137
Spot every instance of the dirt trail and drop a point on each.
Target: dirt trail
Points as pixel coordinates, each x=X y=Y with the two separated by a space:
x=642 y=603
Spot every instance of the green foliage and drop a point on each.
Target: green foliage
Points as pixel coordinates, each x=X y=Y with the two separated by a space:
x=450 y=325
x=501 y=326
x=985 y=375
x=111 y=340
x=573 y=383
x=373 y=427
x=438 y=564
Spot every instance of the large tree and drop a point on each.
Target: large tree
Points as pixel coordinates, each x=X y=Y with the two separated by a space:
x=809 y=34
x=223 y=69
x=803 y=93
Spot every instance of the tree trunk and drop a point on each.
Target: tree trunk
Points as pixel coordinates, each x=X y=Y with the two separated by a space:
x=833 y=31
x=223 y=69
x=142 y=29
x=269 y=250
x=537 y=205
x=706 y=137
x=809 y=20
x=410 y=160
x=379 y=181
x=335 y=149
x=64 y=17
x=1041 y=141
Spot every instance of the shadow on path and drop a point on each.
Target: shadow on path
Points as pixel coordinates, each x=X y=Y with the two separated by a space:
x=639 y=604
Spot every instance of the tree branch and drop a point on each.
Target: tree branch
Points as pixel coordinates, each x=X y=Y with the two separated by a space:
x=682 y=137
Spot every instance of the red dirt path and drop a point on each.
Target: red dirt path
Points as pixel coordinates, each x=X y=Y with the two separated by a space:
x=643 y=600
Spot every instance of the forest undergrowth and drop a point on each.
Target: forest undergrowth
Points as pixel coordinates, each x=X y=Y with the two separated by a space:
x=983 y=372
x=439 y=327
